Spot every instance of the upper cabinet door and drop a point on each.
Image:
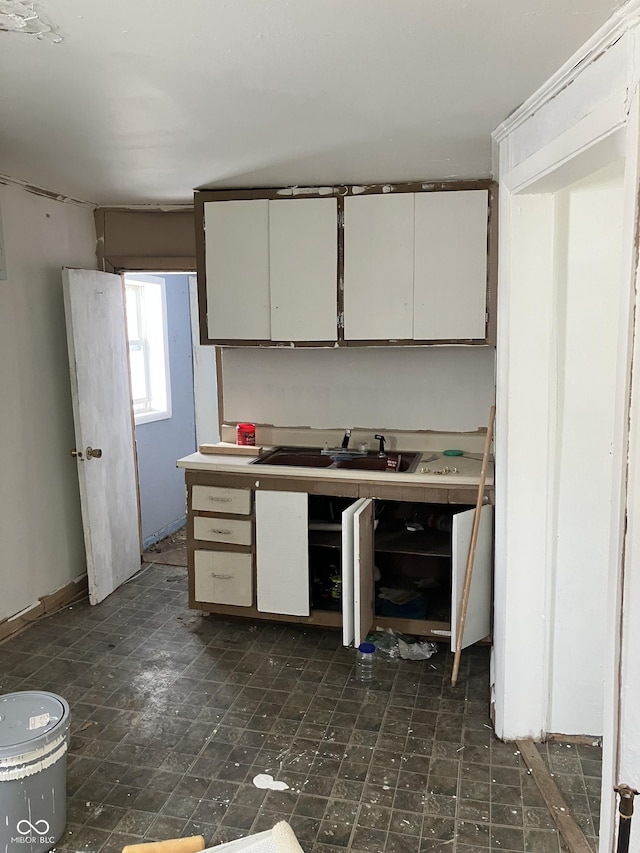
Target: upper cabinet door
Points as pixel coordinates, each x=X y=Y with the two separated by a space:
x=303 y=266
x=450 y=279
x=378 y=267
x=237 y=270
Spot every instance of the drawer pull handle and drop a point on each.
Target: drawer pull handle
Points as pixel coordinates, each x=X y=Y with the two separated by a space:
x=221 y=577
x=221 y=532
x=220 y=500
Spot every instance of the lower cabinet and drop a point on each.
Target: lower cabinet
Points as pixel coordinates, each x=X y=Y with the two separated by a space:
x=354 y=563
x=220 y=546
x=223 y=577
x=400 y=565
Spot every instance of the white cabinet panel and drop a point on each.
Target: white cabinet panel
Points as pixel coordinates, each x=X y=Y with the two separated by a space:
x=478 y=622
x=237 y=269
x=223 y=577
x=282 y=552
x=378 y=267
x=450 y=279
x=303 y=269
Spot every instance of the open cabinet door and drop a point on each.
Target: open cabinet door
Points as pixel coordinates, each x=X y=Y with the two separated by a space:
x=478 y=621
x=363 y=583
x=348 y=556
x=105 y=451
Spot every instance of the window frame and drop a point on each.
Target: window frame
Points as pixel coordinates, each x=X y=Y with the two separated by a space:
x=151 y=303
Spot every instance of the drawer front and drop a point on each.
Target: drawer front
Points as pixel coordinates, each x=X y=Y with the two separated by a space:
x=236 y=531
x=217 y=499
x=222 y=577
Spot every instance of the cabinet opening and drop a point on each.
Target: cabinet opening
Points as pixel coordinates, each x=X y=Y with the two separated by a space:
x=325 y=551
x=412 y=560
x=411 y=545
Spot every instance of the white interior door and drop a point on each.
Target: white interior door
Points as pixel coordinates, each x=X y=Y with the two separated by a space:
x=478 y=622
x=282 y=552
x=97 y=343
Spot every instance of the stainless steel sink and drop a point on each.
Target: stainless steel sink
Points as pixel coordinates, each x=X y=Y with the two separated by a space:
x=313 y=457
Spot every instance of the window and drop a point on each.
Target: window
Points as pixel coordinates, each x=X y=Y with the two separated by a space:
x=148 y=350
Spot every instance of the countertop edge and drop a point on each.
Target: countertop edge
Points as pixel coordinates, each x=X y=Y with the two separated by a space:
x=242 y=465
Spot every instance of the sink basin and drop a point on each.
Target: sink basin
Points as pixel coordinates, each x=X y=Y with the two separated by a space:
x=377 y=463
x=312 y=457
x=306 y=457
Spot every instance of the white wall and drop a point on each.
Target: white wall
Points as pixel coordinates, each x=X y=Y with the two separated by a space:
x=588 y=286
x=40 y=526
x=410 y=388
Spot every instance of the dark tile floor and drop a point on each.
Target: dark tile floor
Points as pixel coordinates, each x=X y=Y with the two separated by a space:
x=174 y=715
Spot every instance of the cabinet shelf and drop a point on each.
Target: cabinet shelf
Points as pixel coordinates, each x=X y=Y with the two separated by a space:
x=325 y=538
x=427 y=543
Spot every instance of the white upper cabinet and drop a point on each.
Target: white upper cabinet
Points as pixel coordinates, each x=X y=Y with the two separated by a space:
x=271 y=269
x=303 y=266
x=378 y=267
x=414 y=268
x=450 y=270
x=237 y=269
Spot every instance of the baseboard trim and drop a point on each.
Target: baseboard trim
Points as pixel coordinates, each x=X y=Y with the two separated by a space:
x=46 y=605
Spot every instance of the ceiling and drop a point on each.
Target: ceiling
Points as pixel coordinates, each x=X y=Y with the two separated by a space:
x=141 y=101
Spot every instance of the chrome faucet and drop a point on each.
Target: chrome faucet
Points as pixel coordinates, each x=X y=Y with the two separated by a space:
x=342 y=453
x=381 y=439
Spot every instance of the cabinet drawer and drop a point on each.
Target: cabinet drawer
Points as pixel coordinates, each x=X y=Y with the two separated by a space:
x=217 y=499
x=233 y=530
x=222 y=577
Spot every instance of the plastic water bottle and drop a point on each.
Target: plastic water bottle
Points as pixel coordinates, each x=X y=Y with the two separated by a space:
x=364 y=662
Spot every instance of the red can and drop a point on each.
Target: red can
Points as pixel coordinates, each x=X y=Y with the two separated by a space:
x=246 y=434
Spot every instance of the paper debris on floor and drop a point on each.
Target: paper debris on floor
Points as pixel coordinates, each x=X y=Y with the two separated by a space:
x=265 y=780
x=280 y=839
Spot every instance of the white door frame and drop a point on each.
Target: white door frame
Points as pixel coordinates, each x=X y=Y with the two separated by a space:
x=526 y=197
x=205 y=376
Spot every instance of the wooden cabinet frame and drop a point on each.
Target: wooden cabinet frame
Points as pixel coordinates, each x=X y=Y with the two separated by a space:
x=340 y=193
x=358 y=555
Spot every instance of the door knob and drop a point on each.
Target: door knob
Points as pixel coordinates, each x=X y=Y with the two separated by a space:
x=77 y=454
x=93 y=453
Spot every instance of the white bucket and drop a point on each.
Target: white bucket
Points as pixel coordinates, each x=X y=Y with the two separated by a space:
x=34 y=738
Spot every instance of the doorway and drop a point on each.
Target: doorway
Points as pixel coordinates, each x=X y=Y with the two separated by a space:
x=563 y=378
x=161 y=357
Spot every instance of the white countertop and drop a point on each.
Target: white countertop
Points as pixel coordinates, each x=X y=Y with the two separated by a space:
x=468 y=468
